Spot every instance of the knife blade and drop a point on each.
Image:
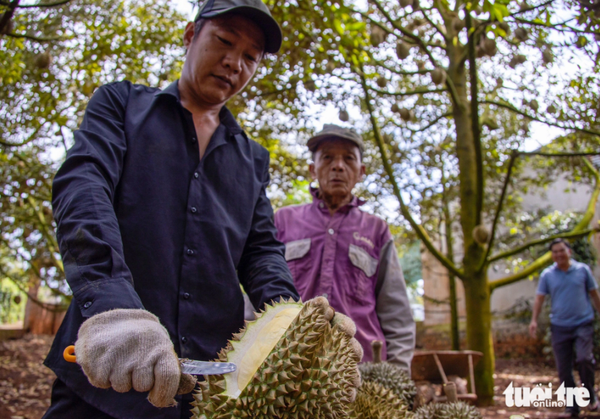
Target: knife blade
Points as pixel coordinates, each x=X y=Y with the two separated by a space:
x=189 y=366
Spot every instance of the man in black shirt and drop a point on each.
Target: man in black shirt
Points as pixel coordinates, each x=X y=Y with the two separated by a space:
x=162 y=213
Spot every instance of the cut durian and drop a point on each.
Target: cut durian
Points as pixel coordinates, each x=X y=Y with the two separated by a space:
x=455 y=410
x=291 y=364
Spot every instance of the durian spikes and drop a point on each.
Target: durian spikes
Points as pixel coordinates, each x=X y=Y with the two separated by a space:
x=376 y=347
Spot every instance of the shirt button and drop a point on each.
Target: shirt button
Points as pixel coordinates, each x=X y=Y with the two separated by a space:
x=183 y=339
x=196 y=175
x=190 y=252
x=330 y=231
x=87 y=304
x=193 y=139
x=194 y=210
x=321 y=205
x=186 y=295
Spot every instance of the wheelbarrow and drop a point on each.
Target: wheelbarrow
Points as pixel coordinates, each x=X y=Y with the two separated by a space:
x=436 y=366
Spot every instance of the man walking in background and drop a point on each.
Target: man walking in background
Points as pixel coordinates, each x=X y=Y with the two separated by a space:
x=573 y=291
x=335 y=249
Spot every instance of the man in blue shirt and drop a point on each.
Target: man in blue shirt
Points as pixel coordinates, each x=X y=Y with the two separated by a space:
x=573 y=291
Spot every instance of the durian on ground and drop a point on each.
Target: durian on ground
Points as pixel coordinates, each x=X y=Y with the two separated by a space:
x=291 y=364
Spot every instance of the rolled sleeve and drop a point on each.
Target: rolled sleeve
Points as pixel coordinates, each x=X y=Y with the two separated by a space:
x=393 y=309
x=263 y=271
x=542 y=288
x=82 y=200
x=590 y=282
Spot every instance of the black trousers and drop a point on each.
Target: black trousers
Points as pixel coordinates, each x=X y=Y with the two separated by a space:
x=575 y=345
x=65 y=404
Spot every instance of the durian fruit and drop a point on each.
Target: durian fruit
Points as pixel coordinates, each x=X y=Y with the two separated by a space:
x=521 y=34
x=481 y=234
x=489 y=46
x=381 y=82
x=406 y=3
x=534 y=105
x=43 y=60
x=402 y=50
x=377 y=35
x=395 y=108
x=330 y=66
x=343 y=115
x=388 y=375
x=374 y=401
x=406 y=115
x=291 y=363
x=505 y=27
x=458 y=24
x=438 y=76
x=547 y=56
x=516 y=60
x=455 y=410
x=551 y=109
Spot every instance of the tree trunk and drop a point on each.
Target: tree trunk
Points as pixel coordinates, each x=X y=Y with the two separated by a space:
x=479 y=334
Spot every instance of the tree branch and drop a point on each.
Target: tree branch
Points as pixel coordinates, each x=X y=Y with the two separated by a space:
x=35 y=38
x=425 y=128
x=517 y=250
x=554 y=124
x=58 y=3
x=409 y=93
x=511 y=163
x=547 y=257
x=528 y=9
x=7 y=16
x=403 y=208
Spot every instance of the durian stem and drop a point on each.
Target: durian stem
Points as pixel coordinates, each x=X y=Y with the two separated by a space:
x=450 y=391
x=376 y=346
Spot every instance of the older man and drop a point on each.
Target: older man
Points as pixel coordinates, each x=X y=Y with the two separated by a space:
x=335 y=249
x=161 y=214
x=573 y=292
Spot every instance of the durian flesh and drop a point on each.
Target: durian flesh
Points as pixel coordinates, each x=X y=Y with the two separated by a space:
x=291 y=364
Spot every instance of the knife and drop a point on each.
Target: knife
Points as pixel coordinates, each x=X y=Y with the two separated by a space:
x=188 y=366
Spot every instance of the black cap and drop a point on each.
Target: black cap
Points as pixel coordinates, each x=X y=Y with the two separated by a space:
x=255 y=10
x=331 y=131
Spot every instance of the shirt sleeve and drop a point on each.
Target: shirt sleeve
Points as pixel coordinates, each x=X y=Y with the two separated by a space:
x=590 y=282
x=263 y=271
x=82 y=200
x=393 y=309
x=542 y=288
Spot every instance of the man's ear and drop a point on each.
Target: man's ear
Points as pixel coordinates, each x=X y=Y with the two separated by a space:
x=313 y=172
x=363 y=171
x=188 y=34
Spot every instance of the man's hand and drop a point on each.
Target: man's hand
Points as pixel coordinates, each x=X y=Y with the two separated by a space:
x=533 y=329
x=345 y=325
x=127 y=348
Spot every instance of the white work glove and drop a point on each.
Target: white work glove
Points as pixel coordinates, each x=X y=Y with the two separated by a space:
x=127 y=348
x=345 y=325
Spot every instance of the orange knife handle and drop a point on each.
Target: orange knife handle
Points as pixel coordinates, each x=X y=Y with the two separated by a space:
x=69 y=354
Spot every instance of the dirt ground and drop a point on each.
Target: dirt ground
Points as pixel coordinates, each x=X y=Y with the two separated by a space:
x=25 y=383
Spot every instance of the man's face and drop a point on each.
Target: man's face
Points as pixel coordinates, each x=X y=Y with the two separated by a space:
x=222 y=58
x=337 y=167
x=561 y=254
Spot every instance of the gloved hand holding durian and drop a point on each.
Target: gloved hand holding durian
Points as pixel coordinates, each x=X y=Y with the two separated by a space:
x=129 y=348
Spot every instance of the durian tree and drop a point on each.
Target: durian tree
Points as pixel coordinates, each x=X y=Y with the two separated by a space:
x=447 y=93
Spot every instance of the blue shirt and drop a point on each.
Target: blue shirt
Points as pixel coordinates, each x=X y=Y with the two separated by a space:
x=569 y=293
x=142 y=222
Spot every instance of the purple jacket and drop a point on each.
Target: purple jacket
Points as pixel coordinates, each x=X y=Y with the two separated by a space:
x=350 y=258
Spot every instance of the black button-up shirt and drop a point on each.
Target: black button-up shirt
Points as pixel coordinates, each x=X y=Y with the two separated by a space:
x=144 y=223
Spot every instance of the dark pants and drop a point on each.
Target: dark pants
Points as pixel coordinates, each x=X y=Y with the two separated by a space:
x=66 y=404
x=575 y=344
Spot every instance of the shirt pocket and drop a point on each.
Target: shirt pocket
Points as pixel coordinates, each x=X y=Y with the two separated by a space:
x=366 y=267
x=295 y=253
x=296 y=249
